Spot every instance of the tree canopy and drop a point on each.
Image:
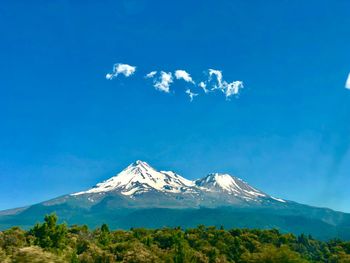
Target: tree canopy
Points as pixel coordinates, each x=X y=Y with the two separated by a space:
x=53 y=242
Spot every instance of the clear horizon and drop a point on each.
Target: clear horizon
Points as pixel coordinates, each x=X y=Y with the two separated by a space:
x=278 y=117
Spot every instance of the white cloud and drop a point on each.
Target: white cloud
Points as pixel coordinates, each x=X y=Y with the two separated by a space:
x=182 y=74
x=347 y=84
x=151 y=74
x=203 y=85
x=163 y=84
x=109 y=76
x=119 y=68
x=162 y=80
x=232 y=88
x=229 y=89
x=191 y=94
x=218 y=75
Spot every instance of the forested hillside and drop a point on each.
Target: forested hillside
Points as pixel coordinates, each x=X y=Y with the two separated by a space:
x=53 y=242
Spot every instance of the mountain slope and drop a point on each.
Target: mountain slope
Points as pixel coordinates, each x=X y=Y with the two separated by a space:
x=141 y=196
x=139 y=178
x=140 y=184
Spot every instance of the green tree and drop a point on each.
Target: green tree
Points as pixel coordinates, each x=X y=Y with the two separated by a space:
x=272 y=254
x=50 y=234
x=104 y=237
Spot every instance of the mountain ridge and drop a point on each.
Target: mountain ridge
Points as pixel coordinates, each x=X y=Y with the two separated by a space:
x=140 y=178
x=141 y=196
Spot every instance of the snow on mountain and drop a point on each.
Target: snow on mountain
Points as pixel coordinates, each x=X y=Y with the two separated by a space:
x=232 y=185
x=140 y=177
x=225 y=182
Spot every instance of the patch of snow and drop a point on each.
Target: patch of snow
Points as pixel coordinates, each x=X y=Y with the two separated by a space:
x=131 y=191
x=278 y=199
x=226 y=182
x=255 y=193
x=185 y=181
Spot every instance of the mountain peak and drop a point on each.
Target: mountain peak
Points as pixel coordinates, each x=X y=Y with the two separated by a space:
x=140 y=177
x=141 y=163
x=216 y=182
x=138 y=167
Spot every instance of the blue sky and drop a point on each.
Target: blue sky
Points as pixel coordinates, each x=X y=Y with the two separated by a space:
x=64 y=127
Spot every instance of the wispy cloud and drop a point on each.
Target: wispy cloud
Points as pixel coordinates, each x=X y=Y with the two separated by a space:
x=164 y=81
x=119 y=68
x=347 y=83
x=151 y=74
x=228 y=88
x=232 y=88
x=203 y=86
x=182 y=74
x=218 y=75
x=191 y=94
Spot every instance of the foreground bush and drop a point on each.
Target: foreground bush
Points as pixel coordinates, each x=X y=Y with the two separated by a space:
x=53 y=242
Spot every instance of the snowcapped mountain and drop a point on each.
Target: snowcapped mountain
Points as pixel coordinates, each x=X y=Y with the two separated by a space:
x=141 y=181
x=141 y=196
x=139 y=177
x=227 y=183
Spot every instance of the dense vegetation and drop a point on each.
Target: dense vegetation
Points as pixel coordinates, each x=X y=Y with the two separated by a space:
x=53 y=242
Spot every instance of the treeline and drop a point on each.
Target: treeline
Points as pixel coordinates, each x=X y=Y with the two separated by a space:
x=53 y=242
